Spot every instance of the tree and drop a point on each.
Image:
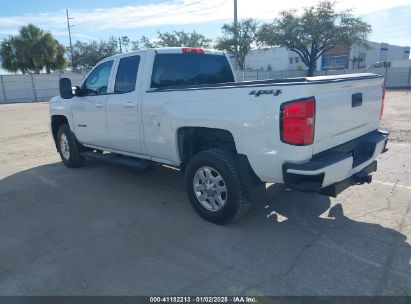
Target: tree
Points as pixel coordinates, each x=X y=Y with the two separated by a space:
x=29 y=45
x=124 y=42
x=181 y=38
x=238 y=39
x=173 y=39
x=53 y=53
x=143 y=43
x=317 y=30
x=59 y=61
x=86 y=55
x=32 y=50
x=9 y=56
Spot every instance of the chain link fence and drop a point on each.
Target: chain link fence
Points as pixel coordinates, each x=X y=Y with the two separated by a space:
x=41 y=87
x=399 y=78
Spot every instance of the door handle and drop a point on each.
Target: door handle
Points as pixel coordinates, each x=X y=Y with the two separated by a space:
x=98 y=105
x=129 y=104
x=356 y=100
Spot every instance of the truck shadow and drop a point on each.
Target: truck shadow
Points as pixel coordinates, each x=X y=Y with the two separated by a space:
x=103 y=221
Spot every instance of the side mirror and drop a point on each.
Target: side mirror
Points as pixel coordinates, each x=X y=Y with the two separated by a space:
x=66 y=92
x=78 y=91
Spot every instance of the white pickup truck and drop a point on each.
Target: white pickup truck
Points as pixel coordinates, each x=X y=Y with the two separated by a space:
x=182 y=107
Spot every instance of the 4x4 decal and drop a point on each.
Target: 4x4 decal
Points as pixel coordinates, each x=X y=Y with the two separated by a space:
x=257 y=93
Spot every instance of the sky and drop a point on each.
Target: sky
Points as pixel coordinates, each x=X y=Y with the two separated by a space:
x=94 y=20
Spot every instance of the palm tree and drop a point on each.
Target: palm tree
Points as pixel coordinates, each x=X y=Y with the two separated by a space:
x=8 y=56
x=52 y=53
x=28 y=44
x=59 y=61
x=32 y=50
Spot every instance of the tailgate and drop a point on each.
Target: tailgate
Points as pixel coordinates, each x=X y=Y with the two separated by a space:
x=346 y=108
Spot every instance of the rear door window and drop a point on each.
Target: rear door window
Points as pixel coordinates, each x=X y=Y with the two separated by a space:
x=127 y=74
x=190 y=69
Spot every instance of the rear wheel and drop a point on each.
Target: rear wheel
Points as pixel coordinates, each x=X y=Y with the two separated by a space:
x=69 y=148
x=214 y=186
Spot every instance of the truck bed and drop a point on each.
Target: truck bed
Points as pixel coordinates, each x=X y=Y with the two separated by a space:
x=251 y=111
x=271 y=82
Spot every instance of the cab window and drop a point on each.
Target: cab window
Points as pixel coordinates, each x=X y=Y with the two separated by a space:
x=190 y=69
x=127 y=75
x=97 y=82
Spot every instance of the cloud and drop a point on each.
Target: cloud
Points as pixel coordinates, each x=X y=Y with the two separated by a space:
x=391 y=25
x=90 y=23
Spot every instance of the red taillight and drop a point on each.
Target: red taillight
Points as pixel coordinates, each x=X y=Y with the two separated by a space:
x=193 y=50
x=297 y=122
x=382 y=101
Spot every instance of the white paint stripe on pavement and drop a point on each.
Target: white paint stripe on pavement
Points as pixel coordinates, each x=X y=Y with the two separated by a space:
x=392 y=184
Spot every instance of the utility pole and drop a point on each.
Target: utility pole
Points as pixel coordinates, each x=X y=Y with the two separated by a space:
x=69 y=32
x=235 y=12
x=235 y=28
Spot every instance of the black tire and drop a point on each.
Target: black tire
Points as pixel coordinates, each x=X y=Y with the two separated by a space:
x=237 y=202
x=74 y=159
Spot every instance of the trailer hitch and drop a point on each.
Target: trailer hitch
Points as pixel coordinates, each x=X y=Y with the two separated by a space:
x=361 y=178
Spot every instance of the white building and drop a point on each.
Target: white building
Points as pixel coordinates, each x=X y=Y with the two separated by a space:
x=278 y=58
x=403 y=63
x=373 y=52
x=361 y=55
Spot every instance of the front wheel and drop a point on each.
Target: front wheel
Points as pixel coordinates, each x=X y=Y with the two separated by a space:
x=69 y=148
x=214 y=186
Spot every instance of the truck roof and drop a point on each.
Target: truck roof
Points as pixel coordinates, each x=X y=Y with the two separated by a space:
x=172 y=50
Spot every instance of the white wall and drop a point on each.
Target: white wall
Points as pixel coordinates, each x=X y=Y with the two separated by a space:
x=277 y=57
x=260 y=58
x=372 y=53
x=396 y=53
x=32 y=87
x=404 y=63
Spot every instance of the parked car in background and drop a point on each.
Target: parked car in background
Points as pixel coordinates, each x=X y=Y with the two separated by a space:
x=380 y=64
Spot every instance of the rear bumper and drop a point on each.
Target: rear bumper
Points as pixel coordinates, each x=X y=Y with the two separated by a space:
x=333 y=170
